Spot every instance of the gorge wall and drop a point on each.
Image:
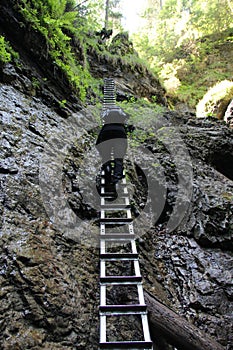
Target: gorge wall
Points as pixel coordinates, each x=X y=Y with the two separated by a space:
x=49 y=292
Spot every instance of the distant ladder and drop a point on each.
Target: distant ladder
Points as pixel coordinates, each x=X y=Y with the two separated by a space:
x=109 y=93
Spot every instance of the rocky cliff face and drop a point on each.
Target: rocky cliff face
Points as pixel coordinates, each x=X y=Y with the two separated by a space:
x=49 y=235
x=49 y=287
x=49 y=275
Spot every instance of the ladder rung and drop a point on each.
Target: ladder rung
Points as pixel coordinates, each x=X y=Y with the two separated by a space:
x=108 y=190
x=116 y=220
x=119 y=256
x=120 y=279
x=123 y=309
x=108 y=195
x=118 y=237
x=113 y=194
x=102 y=175
x=120 y=195
x=146 y=345
x=115 y=206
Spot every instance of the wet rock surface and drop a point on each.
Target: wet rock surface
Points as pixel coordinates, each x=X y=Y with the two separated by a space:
x=49 y=285
x=190 y=268
x=49 y=271
x=49 y=279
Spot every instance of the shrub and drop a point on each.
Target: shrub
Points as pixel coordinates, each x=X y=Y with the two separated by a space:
x=52 y=19
x=7 y=54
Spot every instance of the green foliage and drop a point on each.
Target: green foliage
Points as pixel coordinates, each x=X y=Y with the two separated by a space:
x=69 y=30
x=113 y=15
x=54 y=22
x=178 y=40
x=62 y=103
x=7 y=54
x=142 y=112
x=211 y=17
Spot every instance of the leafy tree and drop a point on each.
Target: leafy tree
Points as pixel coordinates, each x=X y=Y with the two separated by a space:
x=173 y=23
x=177 y=36
x=113 y=15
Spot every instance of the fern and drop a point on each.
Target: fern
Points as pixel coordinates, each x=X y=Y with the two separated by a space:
x=7 y=54
x=52 y=20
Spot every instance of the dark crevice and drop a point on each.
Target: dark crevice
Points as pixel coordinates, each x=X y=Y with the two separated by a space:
x=223 y=162
x=8 y=171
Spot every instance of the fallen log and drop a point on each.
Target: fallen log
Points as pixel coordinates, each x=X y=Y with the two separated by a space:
x=176 y=329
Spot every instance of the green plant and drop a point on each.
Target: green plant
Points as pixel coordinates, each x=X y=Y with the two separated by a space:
x=7 y=54
x=62 y=103
x=52 y=20
x=35 y=83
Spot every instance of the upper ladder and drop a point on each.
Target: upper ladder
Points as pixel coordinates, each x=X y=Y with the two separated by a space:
x=109 y=93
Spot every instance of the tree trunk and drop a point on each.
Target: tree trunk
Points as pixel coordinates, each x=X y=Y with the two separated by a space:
x=175 y=329
x=106 y=14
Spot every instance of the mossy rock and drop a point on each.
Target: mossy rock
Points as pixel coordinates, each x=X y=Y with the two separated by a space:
x=215 y=101
x=121 y=45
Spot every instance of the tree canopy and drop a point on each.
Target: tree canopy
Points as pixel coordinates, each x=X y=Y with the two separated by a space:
x=176 y=39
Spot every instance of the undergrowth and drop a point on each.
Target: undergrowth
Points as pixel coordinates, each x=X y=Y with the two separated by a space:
x=69 y=39
x=188 y=77
x=53 y=21
x=145 y=116
x=7 y=54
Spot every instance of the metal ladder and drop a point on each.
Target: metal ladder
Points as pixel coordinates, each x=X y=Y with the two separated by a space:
x=138 y=308
x=109 y=93
x=110 y=233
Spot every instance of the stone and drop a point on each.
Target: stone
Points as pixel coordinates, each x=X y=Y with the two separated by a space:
x=8 y=73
